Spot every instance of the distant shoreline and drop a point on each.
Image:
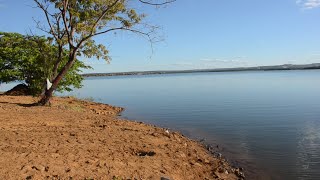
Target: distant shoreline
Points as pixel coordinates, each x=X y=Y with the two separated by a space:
x=258 y=68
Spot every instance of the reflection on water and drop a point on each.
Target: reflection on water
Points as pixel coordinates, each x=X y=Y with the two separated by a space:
x=308 y=151
x=268 y=121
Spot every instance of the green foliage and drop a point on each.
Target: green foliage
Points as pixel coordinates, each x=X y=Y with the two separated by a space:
x=73 y=23
x=31 y=59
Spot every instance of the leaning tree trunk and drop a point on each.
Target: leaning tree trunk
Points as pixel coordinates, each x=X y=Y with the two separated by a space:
x=45 y=100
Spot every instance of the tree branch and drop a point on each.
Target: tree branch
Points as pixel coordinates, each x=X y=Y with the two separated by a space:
x=61 y=33
x=45 y=10
x=114 y=29
x=72 y=29
x=64 y=18
x=156 y=4
x=102 y=15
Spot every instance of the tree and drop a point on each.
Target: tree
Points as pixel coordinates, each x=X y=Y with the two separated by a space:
x=74 y=23
x=30 y=59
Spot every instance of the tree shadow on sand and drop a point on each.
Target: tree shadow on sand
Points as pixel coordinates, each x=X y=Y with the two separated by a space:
x=20 y=104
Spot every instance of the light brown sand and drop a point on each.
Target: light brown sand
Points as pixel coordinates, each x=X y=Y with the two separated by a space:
x=75 y=139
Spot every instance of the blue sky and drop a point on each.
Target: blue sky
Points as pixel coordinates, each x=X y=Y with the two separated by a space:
x=203 y=34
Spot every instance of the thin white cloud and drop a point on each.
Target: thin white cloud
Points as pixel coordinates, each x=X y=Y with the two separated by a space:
x=312 y=4
x=236 y=61
x=182 y=64
x=308 y=4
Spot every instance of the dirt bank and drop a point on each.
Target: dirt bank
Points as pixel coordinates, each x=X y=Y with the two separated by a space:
x=84 y=140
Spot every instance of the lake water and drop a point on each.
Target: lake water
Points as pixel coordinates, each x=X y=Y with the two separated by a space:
x=269 y=122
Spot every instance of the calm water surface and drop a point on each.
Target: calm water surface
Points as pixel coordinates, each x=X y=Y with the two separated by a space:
x=267 y=121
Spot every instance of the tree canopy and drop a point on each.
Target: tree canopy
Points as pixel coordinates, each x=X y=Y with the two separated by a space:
x=31 y=59
x=73 y=24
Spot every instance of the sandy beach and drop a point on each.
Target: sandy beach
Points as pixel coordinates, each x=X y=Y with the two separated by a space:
x=77 y=139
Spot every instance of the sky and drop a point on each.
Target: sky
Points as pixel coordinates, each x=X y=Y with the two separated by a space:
x=201 y=34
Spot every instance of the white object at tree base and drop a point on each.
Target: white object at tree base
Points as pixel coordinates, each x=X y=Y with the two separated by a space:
x=49 y=84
